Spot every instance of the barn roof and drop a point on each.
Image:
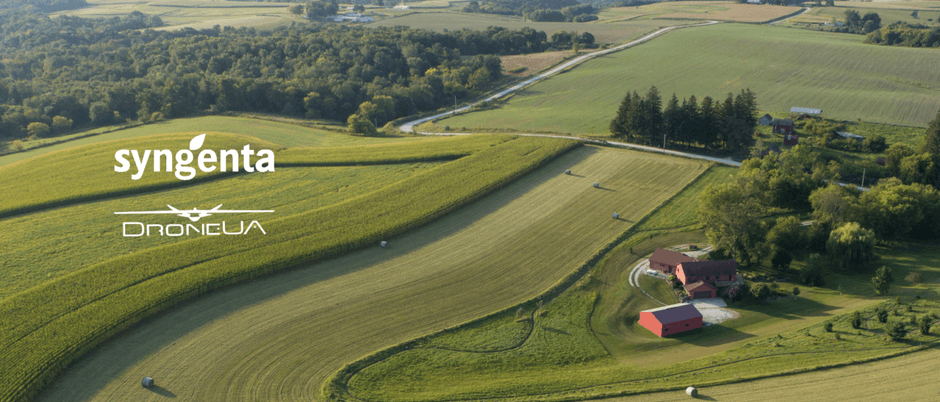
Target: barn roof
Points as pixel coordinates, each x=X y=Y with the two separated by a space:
x=844 y=134
x=768 y=116
x=674 y=313
x=710 y=268
x=698 y=286
x=783 y=122
x=670 y=257
x=805 y=110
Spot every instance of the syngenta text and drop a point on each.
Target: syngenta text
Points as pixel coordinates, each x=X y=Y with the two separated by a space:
x=207 y=161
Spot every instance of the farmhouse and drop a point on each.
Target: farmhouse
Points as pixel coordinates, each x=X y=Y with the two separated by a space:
x=701 y=290
x=791 y=139
x=716 y=272
x=783 y=126
x=765 y=120
x=671 y=319
x=666 y=261
x=805 y=110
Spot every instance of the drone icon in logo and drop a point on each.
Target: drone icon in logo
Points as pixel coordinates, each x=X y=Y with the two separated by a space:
x=194 y=214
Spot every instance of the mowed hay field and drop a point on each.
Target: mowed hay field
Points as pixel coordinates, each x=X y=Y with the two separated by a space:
x=603 y=33
x=784 y=67
x=930 y=18
x=279 y=338
x=907 y=378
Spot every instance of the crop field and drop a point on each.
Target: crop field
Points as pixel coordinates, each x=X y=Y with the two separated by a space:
x=892 y=4
x=603 y=33
x=284 y=134
x=712 y=10
x=292 y=330
x=48 y=326
x=198 y=14
x=783 y=67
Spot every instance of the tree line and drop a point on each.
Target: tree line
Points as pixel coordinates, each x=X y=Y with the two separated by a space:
x=45 y=6
x=727 y=125
x=536 y=10
x=106 y=71
x=903 y=34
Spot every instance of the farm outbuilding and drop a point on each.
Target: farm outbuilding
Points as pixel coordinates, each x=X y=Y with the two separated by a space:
x=769 y=149
x=806 y=110
x=701 y=290
x=850 y=136
x=671 y=319
x=782 y=126
x=709 y=271
x=666 y=261
x=765 y=120
x=791 y=139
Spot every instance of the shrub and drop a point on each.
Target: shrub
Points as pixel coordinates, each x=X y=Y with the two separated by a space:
x=882 y=315
x=811 y=274
x=856 y=320
x=925 y=325
x=760 y=291
x=896 y=331
x=828 y=327
x=781 y=259
x=914 y=277
x=796 y=291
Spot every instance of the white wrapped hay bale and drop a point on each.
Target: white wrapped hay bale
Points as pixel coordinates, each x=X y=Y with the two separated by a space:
x=691 y=391
x=616 y=215
x=147 y=382
x=383 y=244
x=597 y=185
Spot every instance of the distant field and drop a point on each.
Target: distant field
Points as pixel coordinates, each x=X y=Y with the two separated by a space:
x=784 y=67
x=714 y=10
x=532 y=63
x=197 y=14
x=603 y=33
x=895 y=4
x=821 y=15
x=254 y=342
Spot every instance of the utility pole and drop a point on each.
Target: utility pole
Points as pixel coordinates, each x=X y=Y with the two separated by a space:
x=863 y=178
x=664 y=142
x=455 y=104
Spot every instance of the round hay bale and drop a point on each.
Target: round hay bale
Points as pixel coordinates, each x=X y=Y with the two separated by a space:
x=597 y=185
x=691 y=391
x=568 y=171
x=147 y=382
x=616 y=215
x=384 y=244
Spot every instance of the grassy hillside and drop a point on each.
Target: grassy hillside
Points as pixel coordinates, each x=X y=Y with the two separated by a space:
x=503 y=249
x=48 y=326
x=712 y=10
x=784 y=67
x=821 y=15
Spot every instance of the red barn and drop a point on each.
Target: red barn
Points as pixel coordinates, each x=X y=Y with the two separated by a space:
x=708 y=271
x=791 y=139
x=783 y=126
x=672 y=319
x=666 y=261
x=701 y=290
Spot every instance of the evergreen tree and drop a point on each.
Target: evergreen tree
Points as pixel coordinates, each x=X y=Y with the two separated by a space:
x=690 y=120
x=882 y=280
x=671 y=119
x=618 y=126
x=710 y=122
x=653 y=122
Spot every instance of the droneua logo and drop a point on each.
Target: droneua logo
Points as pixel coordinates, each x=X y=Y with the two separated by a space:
x=207 y=163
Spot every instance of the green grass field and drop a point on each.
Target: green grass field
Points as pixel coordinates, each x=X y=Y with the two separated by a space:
x=603 y=33
x=198 y=14
x=784 y=67
x=888 y=16
x=712 y=10
x=564 y=358
x=285 y=334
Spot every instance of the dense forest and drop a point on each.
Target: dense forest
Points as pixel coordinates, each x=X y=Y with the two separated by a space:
x=728 y=125
x=68 y=71
x=536 y=10
x=903 y=34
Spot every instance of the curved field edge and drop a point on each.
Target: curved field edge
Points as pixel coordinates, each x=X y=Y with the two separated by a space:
x=41 y=338
x=336 y=387
x=84 y=174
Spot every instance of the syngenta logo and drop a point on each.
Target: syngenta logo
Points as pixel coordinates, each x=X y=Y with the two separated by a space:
x=138 y=229
x=207 y=161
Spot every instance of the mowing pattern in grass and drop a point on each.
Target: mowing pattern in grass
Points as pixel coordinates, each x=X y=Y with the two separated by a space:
x=784 y=67
x=603 y=33
x=562 y=360
x=279 y=338
x=47 y=327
